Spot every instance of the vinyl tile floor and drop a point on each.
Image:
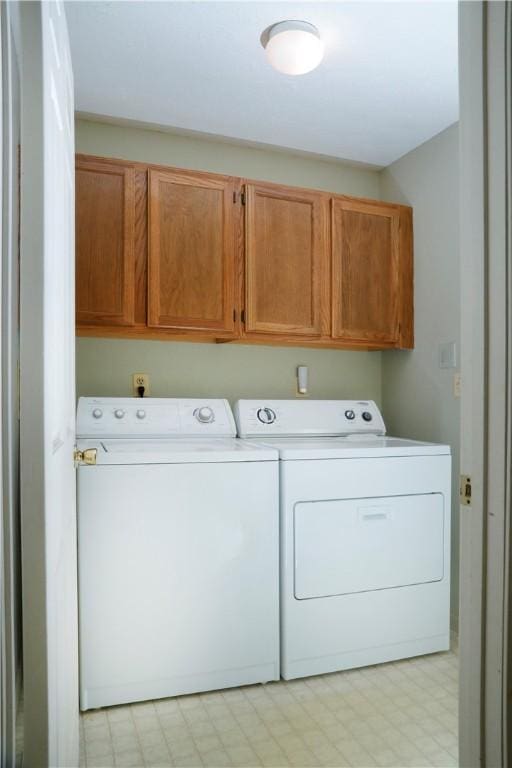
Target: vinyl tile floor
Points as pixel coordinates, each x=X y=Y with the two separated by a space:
x=402 y=714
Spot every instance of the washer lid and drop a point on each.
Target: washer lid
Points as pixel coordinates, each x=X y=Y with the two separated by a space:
x=352 y=447
x=177 y=451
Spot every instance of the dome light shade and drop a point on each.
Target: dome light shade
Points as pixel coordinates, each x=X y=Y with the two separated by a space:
x=294 y=47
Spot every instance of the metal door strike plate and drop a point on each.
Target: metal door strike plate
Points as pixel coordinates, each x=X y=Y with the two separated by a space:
x=465 y=490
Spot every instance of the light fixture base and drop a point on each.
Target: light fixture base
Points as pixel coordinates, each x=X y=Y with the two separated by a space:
x=284 y=26
x=293 y=47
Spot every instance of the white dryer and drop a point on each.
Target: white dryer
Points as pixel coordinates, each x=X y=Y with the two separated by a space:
x=365 y=535
x=178 y=526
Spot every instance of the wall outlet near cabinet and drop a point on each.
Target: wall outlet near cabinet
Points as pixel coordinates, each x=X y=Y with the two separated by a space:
x=140 y=380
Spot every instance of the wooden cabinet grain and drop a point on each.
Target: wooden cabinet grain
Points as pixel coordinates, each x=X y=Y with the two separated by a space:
x=170 y=253
x=105 y=242
x=286 y=261
x=191 y=253
x=371 y=254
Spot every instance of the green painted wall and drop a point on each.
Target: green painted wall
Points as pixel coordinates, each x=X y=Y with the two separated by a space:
x=205 y=154
x=181 y=369
x=104 y=366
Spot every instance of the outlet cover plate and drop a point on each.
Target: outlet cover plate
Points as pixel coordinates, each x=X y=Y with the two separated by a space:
x=140 y=380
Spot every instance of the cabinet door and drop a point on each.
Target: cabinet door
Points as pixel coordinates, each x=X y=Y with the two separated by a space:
x=287 y=268
x=105 y=243
x=365 y=271
x=191 y=261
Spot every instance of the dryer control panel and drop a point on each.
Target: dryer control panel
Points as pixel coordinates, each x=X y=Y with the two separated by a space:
x=153 y=417
x=314 y=418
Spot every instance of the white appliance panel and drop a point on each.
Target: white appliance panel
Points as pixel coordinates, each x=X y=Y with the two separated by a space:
x=347 y=546
x=350 y=447
x=178 y=569
x=153 y=417
x=328 y=633
x=360 y=478
x=274 y=418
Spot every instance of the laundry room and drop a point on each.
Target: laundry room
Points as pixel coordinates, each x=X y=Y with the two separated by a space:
x=268 y=376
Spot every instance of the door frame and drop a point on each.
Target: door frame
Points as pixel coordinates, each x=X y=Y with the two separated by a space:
x=47 y=391
x=485 y=31
x=9 y=389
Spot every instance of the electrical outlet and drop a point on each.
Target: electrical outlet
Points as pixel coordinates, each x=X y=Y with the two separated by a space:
x=140 y=380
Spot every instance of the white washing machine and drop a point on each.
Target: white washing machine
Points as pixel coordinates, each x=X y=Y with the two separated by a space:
x=365 y=535
x=178 y=539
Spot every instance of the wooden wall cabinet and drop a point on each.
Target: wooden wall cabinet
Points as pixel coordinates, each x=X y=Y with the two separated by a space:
x=191 y=252
x=371 y=300
x=105 y=243
x=167 y=253
x=286 y=261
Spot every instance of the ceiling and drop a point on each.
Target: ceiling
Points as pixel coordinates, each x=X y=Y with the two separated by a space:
x=388 y=81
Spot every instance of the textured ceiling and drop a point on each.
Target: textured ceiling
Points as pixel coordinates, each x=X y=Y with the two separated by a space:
x=388 y=81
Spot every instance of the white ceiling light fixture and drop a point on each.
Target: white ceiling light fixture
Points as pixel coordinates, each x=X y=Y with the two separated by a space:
x=293 y=47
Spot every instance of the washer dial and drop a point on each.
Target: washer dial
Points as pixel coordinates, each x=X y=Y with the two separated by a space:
x=204 y=415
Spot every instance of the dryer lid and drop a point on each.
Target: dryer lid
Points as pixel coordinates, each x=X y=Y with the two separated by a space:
x=352 y=447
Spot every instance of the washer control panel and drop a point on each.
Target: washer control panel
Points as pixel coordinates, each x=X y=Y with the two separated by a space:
x=315 y=418
x=266 y=415
x=153 y=417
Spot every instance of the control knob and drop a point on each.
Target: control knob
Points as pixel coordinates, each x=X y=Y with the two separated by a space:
x=97 y=413
x=350 y=415
x=367 y=416
x=205 y=415
x=141 y=414
x=119 y=413
x=266 y=415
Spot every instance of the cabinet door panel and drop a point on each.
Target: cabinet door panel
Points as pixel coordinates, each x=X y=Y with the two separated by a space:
x=191 y=265
x=365 y=271
x=105 y=256
x=286 y=261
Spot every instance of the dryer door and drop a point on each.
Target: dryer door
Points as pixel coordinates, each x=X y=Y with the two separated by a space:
x=346 y=546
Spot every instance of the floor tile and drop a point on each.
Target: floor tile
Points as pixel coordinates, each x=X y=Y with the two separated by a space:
x=98 y=748
x=131 y=759
x=103 y=761
x=156 y=756
x=399 y=715
x=216 y=759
